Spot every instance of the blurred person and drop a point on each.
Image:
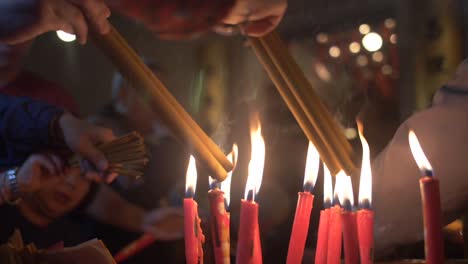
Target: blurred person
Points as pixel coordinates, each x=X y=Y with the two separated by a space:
x=23 y=20
x=442 y=131
x=129 y=111
x=52 y=196
x=28 y=125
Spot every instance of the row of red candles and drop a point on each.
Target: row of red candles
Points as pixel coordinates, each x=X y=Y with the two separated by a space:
x=339 y=224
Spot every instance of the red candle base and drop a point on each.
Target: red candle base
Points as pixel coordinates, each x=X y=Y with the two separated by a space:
x=322 y=239
x=334 y=236
x=350 y=238
x=134 y=248
x=430 y=196
x=248 y=243
x=219 y=227
x=193 y=234
x=300 y=228
x=365 y=228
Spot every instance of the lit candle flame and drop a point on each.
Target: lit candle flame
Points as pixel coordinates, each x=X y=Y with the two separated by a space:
x=327 y=186
x=344 y=190
x=418 y=154
x=226 y=184
x=338 y=186
x=191 y=178
x=312 y=168
x=365 y=184
x=257 y=159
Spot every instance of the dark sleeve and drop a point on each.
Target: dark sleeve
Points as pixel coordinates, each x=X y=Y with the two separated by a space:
x=24 y=128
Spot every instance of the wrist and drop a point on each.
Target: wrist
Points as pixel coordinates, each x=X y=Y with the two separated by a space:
x=10 y=192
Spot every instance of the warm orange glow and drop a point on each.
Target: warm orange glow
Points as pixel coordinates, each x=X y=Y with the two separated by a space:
x=257 y=158
x=418 y=153
x=327 y=185
x=312 y=165
x=365 y=184
x=226 y=184
x=191 y=176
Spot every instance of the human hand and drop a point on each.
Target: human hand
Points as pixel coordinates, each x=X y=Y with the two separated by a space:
x=255 y=18
x=39 y=171
x=35 y=17
x=82 y=138
x=165 y=223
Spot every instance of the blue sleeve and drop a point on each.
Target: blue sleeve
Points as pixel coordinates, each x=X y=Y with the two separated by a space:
x=24 y=128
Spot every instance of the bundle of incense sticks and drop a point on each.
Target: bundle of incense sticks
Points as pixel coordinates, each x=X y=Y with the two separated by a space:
x=311 y=114
x=127 y=155
x=172 y=114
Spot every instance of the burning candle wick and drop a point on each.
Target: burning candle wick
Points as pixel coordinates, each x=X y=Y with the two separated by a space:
x=215 y=185
x=250 y=196
x=327 y=203
x=308 y=187
x=365 y=204
x=347 y=205
x=190 y=193
x=428 y=173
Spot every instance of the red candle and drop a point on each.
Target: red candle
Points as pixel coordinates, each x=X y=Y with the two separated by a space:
x=348 y=220
x=248 y=243
x=219 y=199
x=322 y=239
x=430 y=196
x=248 y=237
x=134 y=248
x=193 y=234
x=365 y=216
x=305 y=201
x=219 y=226
x=365 y=228
x=334 y=236
x=350 y=239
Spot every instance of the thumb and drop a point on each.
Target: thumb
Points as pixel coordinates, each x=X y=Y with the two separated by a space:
x=90 y=152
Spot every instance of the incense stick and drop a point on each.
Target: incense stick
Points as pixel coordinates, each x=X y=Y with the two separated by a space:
x=170 y=111
x=311 y=114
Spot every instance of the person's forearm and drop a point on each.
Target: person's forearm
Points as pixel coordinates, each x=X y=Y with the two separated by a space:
x=110 y=208
x=25 y=127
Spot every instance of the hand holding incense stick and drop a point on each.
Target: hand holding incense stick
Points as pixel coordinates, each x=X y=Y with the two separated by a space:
x=127 y=155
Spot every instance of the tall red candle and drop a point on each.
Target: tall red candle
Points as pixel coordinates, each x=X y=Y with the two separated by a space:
x=248 y=243
x=193 y=234
x=305 y=201
x=430 y=196
x=365 y=228
x=334 y=236
x=365 y=216
x=348 y=220
x=350 y=238
x=322 y=239
x=248 y=237
x=219 y=226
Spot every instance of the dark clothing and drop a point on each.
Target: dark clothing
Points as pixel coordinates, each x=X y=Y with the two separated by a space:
x=24 y=128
